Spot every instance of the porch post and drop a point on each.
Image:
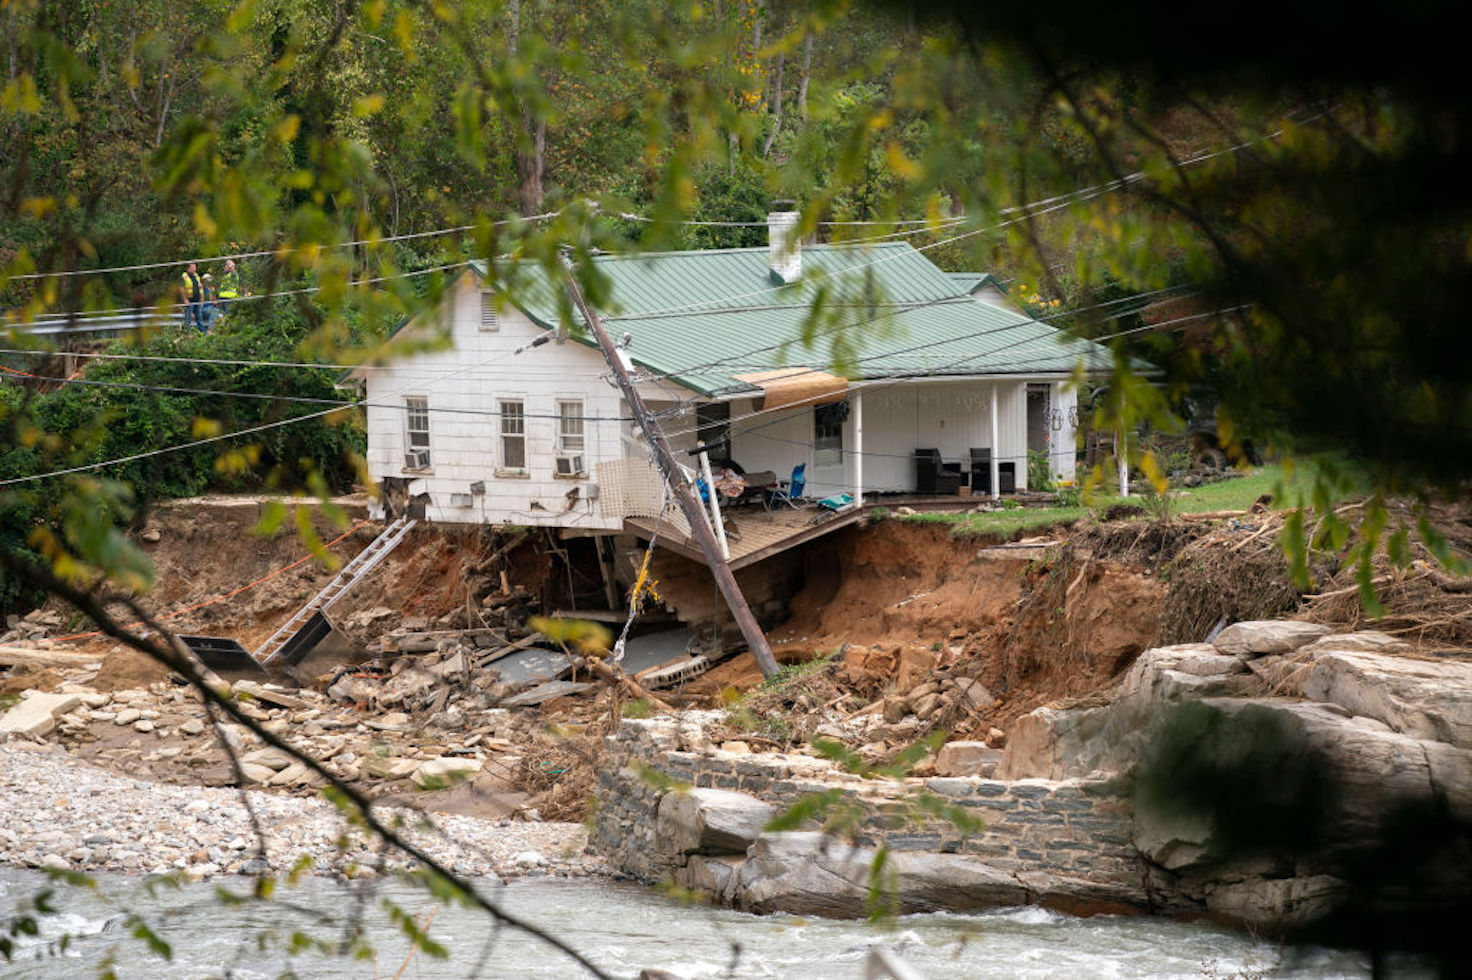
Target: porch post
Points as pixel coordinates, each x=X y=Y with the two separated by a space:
x=996 y=450
x=715 y=504
x=859 y=448
x=1122 y=451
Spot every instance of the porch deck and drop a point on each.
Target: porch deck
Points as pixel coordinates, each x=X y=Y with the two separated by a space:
x=761 y=533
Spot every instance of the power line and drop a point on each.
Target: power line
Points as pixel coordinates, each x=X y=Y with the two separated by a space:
x=170 y=449
x=1023 y=211
x=940 y=370
x=142 y=312
x=307 y=399
x=227 y=362
x=284 y=249
x=798 y=372
x=230 y=435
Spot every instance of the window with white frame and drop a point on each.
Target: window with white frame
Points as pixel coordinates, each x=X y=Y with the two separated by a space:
x=569 y=428
x=570 y=438
x=490 y=318
x=828 y=434
x=513 y=435
x=416 y=431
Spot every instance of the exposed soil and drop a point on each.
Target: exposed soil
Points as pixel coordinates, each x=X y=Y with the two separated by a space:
x=902 y=612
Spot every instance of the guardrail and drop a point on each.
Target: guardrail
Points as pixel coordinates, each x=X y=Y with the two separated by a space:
x=93 y=325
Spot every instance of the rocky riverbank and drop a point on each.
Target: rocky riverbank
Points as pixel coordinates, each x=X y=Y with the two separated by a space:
x=1280 y=778
x=60 y=812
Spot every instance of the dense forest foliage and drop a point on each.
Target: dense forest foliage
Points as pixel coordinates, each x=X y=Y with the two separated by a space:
x=1283 y=222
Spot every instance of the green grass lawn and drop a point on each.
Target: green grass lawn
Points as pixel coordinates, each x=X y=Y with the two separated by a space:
x=1238 y=493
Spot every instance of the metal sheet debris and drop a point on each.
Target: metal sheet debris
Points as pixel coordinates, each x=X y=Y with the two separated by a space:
x=545 y=692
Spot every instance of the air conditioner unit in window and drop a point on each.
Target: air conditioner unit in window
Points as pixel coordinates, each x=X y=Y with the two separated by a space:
x=569 y=465
x=417 y=459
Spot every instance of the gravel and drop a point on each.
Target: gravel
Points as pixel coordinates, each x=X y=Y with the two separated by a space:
x=60 y=812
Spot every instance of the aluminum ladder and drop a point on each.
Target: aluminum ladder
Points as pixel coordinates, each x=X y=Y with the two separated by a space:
x=361 y=564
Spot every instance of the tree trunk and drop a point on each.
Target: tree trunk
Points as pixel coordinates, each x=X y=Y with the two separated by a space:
x=807 y=71
x=776 y=105
x=531 y=142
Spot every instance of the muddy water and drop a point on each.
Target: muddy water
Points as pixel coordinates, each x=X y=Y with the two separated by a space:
x=624 y=929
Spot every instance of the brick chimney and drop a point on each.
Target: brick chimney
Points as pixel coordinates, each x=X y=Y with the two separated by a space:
x=784 y=248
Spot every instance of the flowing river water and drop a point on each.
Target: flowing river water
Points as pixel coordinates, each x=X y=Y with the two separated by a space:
x=623 y=928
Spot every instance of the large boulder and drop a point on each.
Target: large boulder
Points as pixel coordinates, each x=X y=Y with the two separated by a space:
x=809 y=873
x=444 y=771
x=1256 y=637
x=1275 y=904
x=710 y=821
x=1058 y=743
x=1068 y=743
x=1426 y=699
x=1268 y=781
x=36 y=715
x=967 y=759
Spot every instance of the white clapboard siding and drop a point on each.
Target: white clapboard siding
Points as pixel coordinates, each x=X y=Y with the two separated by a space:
x=477 y=372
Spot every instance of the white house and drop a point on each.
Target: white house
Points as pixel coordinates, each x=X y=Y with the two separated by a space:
x=846 y=358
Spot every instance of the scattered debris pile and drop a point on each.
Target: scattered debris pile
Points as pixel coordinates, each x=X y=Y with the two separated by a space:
x=34 y=626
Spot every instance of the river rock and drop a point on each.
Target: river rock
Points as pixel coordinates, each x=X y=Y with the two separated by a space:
x=444 y=771
x=270 y=757
x=713 y=876
x=809 y=873
x=37 y=714
x=1426 y=699
x=127 y=716
x=1255 y=637
x=966 y=759
x=192 y=726
x=1054 y=743
x=256 y=773
x=710 y=821
x=1364 y=641
x=1374 y=773
x=1275 y=903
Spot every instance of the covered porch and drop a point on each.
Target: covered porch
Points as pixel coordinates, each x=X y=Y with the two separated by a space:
x=863 y=438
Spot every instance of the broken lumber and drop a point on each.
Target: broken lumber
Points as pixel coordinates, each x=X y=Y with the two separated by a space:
x=507 y=650
x=615 y=676
x=15 y=656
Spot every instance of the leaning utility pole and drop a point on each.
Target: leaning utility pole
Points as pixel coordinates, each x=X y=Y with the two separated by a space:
x=675 y=477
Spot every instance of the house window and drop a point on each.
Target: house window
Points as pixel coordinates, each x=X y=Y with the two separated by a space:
x=416 y=432
x=570 y=439
x=828 y=434
x=569 y=428
x=490 y=319
x=513 y=435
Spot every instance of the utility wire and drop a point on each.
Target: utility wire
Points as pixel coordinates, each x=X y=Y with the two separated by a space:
x=942 y=371
x=306 y=399
x=282 y=250
x=798 y=371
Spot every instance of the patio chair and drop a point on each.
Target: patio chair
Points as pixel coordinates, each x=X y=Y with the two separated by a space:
x=981 y=474
x=792 y=492
x=933 y=476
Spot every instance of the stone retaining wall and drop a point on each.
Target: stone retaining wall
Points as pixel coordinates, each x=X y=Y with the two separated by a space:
x=1064 y=843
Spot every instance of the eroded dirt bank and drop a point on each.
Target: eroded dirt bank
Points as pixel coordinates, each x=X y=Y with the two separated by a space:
x=905 y=631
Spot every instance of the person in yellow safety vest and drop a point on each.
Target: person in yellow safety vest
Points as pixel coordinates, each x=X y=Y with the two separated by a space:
x=229 y=286
x=192 y=289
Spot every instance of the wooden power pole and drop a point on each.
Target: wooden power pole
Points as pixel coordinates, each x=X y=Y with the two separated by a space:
x=756 y=640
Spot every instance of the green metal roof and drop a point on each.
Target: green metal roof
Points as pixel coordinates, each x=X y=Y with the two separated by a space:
x=970 y=282
x=882 y=311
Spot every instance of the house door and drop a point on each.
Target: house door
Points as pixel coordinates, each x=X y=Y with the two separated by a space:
x=1037 y=418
